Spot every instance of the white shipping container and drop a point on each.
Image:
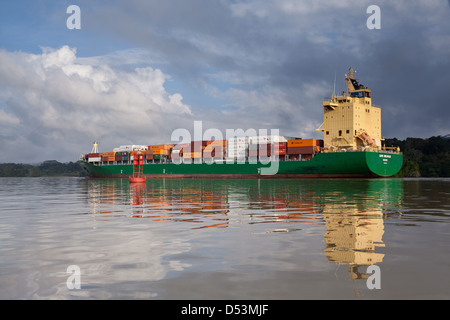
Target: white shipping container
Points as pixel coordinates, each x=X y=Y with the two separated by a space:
x=237 y=140
x=237 y=145
x=240 y=143
x=260 y=139
x=95 y=159
x=132 y=147
x=237 y=152
x=269 y=139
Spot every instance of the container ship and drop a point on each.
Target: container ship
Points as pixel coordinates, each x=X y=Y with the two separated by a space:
x=352 y=146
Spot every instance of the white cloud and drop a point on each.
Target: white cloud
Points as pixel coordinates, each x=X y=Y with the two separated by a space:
x=58 y=104
x=6 y=118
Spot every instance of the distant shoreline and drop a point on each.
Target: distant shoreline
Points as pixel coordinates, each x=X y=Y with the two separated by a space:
x=49 y=168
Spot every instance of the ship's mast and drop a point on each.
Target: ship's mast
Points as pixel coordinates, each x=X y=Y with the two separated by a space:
x=95 y=147
x=352 y=83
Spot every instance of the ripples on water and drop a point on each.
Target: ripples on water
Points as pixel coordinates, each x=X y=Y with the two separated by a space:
x=224 y=239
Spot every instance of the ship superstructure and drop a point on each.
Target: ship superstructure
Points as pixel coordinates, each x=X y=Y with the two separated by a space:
x=351 y=122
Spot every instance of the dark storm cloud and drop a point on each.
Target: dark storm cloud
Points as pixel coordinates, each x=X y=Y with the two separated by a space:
x=288 y=45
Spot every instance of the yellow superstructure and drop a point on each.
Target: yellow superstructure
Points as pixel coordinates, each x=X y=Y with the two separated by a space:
x=350 y=120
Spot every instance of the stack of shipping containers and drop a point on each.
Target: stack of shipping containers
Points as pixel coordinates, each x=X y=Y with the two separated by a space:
x=94 y=157
x=280 y=150
x=158 y=153
x=215 y=150
x=273 y=146
x=123 y=154
x=259 y=147
x=193 y=152
x=108 y=157
x=237 y=148
x=119 y=156
x=178 y=151
x=303 y=149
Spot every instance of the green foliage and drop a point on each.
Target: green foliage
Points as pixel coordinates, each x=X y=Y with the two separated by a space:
x=47 y=168
x=424 y=157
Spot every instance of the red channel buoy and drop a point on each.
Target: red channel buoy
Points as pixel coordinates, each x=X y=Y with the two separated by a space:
x=137 y=176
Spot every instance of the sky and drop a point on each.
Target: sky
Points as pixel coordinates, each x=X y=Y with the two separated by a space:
x=137 y=70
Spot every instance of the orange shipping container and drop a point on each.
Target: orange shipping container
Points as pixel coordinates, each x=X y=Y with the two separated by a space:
x=161 y=148
x=219 y=142
x=302 y=143
x=212 y=147
x=192 y=155
x=161 y=151
x=108 y=154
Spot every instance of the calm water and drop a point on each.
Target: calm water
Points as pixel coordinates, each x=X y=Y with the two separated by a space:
x=225 y=239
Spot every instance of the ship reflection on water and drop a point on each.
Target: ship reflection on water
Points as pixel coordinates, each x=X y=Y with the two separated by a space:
x=348 y=213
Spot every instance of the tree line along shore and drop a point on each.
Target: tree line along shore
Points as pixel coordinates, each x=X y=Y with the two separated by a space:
x=422 y=158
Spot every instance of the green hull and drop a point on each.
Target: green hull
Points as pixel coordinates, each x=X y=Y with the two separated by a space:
x=323 y=165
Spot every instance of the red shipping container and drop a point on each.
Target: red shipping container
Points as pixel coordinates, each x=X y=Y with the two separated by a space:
x=301 y=150
x=307 y=150
x=279 y=148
